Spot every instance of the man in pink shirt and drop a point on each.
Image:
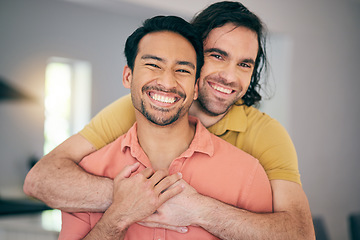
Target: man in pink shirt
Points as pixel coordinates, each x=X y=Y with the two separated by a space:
x=180 y=159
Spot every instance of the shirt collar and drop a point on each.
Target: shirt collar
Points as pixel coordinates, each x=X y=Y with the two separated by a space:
x=201 y=142
x=131 y=141
x=234 y=120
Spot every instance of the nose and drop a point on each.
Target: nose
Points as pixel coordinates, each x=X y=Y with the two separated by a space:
x=229 y=73
x=167 y=80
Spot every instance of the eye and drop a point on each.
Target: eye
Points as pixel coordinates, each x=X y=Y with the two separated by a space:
x=183 y=71
x=152 y=65
x=245 y=65
x=217 y=56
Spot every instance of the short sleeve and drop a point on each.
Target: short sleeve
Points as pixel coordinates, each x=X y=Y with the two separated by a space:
x=110 y=123
x=275 y=150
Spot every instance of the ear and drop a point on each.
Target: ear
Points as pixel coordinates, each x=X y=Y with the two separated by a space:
x=127 y=77
x=196 y=89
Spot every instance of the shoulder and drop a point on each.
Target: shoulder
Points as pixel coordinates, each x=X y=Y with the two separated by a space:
x=260 y=124
x=124 y=103
x=110 y=123
x=231 y=153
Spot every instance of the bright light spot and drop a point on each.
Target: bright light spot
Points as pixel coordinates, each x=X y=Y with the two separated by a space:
x=57 y=104
x=51 y=220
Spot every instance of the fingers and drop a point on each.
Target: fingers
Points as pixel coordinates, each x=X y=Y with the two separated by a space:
x=168 y=182
x=147 y=173
x=128 y=170
x=161 y=182
x=158 y=177
x=171 y=192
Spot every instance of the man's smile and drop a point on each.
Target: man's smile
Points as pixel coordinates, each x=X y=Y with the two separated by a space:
x=163 y=99
x=220 y=88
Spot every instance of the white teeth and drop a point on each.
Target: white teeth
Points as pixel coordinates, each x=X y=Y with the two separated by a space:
x=221 y=89
x=163 y=99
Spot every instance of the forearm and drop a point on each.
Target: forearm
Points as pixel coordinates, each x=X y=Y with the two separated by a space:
x=62 y=184
x=227 y=222
x=291 y=217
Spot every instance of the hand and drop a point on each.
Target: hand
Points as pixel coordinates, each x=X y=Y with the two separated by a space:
x=176 y=213
x=138 y=196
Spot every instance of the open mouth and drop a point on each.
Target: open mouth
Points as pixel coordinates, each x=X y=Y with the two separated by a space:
x=220 y=88
x=164 y=99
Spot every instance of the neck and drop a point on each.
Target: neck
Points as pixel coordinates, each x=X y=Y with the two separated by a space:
x=204 y=116
x=162 y=144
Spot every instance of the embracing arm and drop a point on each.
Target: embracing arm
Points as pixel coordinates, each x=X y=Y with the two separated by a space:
x=291 y=218
x=58 y=181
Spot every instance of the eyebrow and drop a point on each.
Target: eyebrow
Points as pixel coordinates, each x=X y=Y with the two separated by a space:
x=148 y=56
x=186 y=63
x=217 y=50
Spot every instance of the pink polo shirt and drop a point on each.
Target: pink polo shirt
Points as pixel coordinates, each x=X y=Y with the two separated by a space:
x=212 y=166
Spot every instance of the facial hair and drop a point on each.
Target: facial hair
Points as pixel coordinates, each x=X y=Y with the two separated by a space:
x=208 y=102
x=159 y=117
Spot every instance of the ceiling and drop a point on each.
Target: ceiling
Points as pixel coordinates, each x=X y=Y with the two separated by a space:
x=148 y=8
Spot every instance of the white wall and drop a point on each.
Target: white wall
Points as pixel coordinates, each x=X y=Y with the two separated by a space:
x=323 y=83
x=30 y=33
x=324 y=100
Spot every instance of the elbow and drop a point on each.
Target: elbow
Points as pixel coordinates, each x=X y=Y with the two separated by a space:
x=29 y=186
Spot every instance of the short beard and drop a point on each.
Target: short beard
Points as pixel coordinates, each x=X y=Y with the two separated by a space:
x=202 y=100
x=158 y=120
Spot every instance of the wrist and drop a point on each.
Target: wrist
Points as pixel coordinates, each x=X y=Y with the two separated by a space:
x=114 y=219
x=200 y=210
x=207 y=209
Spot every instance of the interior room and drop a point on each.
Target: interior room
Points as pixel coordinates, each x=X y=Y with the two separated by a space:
x=313 y=52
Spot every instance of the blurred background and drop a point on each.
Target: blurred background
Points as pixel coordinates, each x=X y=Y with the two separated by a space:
x=61 y=62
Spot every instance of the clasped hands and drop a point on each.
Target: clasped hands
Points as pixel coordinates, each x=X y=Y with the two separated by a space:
x=154 y=199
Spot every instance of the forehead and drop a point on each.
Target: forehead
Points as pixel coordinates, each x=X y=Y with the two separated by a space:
x=167 y=45
x=233 y=39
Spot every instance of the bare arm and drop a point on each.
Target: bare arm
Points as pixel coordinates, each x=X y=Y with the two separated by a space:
x=291 y=218
x=58 y=181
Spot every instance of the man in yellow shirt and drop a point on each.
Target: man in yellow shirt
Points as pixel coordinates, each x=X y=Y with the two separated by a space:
x=228 y=87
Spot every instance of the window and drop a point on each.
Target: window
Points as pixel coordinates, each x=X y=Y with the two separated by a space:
x=67 y=110
x=67 y=100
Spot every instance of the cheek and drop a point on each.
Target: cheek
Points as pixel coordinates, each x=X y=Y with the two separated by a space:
x=245 y=82
x=208 y=70
x=188 y=88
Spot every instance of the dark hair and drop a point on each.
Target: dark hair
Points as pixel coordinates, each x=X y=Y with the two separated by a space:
x=221 y=13
x=165 y=23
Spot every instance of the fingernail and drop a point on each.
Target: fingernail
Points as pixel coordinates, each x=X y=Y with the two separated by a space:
x=184 y=229
x=180 y=174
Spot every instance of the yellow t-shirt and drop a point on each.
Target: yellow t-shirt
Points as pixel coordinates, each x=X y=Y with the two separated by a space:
x=245 y=127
